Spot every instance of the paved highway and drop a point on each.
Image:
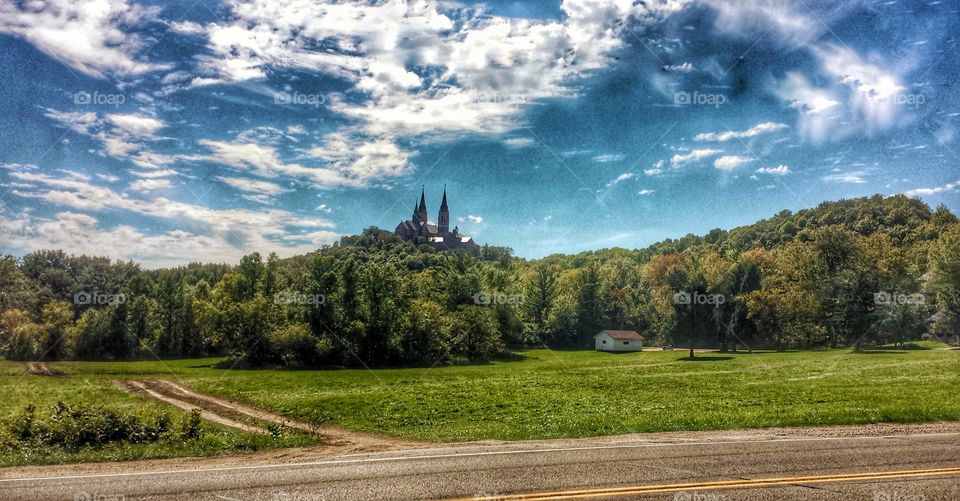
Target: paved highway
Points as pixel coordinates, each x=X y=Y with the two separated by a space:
x=899 y=467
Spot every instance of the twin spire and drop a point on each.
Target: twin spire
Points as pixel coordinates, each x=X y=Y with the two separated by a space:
x=420 y=212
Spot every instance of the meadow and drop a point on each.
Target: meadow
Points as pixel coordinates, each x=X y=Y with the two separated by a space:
x=542 y=394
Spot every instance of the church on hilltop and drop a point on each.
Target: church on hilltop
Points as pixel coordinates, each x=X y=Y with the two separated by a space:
x=419 y=229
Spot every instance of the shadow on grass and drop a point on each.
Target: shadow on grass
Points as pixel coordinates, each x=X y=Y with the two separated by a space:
x=704 y=359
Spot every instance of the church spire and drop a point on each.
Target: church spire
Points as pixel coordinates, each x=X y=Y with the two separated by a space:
x=443 y=221
x=422 y=210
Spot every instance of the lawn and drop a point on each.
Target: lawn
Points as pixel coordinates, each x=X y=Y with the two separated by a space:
x=549 y=394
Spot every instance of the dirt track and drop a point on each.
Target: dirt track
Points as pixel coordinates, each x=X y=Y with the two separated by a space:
x=251 y=419
x=40 y=369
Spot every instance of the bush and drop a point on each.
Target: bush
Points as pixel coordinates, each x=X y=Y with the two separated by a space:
x=76 y=427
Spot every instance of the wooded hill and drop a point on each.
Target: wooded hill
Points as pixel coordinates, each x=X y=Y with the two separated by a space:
x=847 y=273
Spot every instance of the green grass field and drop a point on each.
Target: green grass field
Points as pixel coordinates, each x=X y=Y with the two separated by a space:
x=547 y=394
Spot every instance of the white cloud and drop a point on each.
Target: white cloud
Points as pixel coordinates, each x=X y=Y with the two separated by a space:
x=922 y=192
x=518 y=142
x=621 y=178
x=693 y=156
x=135 y=124
x=227 y=233
x=678 y=68
x=756 y=130
x=150 y=184
x=780 y=170
x=91 y=37
x=484 y=69
x=609 y=157
x=852 y=177
x=253 y=185
x=730 y=162
x=471 y=219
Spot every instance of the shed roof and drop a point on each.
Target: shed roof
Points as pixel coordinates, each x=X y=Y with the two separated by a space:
x=623 y=335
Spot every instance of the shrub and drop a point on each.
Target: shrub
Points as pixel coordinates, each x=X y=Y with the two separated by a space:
x=76 y=427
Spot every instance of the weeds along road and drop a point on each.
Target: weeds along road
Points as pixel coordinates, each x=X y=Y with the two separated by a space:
x=903 y=465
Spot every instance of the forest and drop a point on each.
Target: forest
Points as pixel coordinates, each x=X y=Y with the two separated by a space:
x=851 y=273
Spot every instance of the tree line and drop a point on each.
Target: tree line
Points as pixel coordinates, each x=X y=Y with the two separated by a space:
x=849 y=273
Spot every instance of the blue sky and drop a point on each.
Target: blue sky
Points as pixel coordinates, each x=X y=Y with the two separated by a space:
x=170 y=132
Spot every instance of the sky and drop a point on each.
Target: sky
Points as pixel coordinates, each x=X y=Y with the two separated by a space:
x=179 y=131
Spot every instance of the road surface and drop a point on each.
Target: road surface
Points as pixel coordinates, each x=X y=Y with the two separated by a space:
x=716 y=466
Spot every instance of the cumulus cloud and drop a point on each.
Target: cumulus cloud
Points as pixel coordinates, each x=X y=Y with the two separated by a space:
x=922 y=192
x=730 y=162
x=228 y=234
x=92 y=37
x=484 y=69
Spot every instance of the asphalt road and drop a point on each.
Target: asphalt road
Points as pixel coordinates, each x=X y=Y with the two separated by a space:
x=907 y=467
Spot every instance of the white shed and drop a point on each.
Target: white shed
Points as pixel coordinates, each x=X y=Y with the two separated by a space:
x=608 y=340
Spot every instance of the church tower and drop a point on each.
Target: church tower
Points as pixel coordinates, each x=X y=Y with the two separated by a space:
x=443 y=221
x=415 y=219
x=422 y=209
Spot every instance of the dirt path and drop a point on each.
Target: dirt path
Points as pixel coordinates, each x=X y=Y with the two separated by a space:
x=237 y=415
x=40 y=369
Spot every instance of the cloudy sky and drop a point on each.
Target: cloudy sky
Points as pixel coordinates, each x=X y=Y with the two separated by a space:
x=179 y=131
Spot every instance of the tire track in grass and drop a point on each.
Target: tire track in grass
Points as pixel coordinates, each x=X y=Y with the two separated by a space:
x=238 y=415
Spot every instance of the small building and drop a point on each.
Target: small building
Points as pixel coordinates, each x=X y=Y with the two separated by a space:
x=608 y=340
